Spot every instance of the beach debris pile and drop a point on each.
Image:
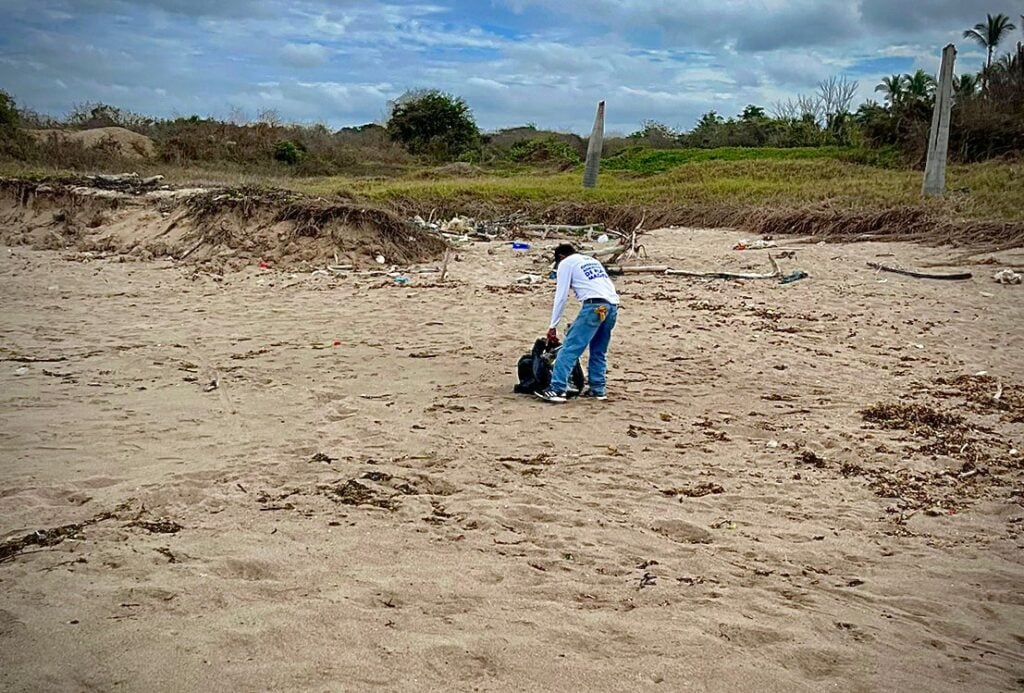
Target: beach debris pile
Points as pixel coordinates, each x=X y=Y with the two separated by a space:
x=1008 y=276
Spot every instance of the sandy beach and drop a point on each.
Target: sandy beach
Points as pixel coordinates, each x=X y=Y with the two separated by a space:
x=278 y=481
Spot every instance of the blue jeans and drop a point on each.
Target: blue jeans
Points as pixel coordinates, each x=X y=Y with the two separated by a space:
x=588 y=330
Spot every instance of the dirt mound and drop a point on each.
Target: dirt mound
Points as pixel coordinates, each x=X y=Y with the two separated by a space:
x=217 y=229
x=128 y=144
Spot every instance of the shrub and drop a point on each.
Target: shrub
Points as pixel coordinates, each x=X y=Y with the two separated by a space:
x=544 y=150
x=433 y=123
x=289 y=152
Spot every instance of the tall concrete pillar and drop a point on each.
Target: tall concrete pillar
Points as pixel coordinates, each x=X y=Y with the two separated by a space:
x=938 y=136
x=594 y=148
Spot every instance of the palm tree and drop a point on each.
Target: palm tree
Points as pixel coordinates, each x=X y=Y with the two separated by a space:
x=965 y=86
x=919 y=86
x=990 y=34
x=893 y=88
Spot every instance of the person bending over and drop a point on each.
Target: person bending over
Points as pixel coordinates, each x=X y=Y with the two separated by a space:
x=599 y=307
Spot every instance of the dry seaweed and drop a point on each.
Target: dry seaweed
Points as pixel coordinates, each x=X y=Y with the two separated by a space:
x=47 y=537
x=910 y=417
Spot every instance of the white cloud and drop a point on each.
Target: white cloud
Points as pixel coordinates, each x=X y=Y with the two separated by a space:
x=341 y=61
x=305 y=54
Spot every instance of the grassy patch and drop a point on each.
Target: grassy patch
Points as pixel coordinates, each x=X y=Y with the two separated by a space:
x=992 y=191
x=643 y=160
x=725 y=190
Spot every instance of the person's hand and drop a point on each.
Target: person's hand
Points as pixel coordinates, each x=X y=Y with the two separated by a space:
x=552 y=335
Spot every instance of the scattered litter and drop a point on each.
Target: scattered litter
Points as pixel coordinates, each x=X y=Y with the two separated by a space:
x=21 y=371
x=602 y=239
x=529 y=279
x=1008 y=276
x=401 y=281
x=458 y=225
x=793 y=276
x=772 y=444
x=380 y=259
x=758 y=244
x=264 y=265
x=520 y=246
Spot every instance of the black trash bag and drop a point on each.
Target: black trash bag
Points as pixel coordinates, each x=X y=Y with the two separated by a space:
x=534 y=370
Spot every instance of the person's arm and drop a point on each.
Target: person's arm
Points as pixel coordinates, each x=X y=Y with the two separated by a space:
x=561 y=292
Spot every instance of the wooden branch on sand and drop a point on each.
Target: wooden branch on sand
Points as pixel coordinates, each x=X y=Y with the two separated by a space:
x=444 y=267
x=616 y=270
x=564 y=228
x=774 y=274
x=193 y=249
x=920 y=275
x=666 y=270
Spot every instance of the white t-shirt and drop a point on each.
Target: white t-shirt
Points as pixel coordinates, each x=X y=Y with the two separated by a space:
x=587 y=278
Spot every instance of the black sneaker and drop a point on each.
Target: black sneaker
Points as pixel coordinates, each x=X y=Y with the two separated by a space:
x=551 y=396
x=590 y=394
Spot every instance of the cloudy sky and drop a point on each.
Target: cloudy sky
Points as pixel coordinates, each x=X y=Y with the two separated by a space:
x=515 y=61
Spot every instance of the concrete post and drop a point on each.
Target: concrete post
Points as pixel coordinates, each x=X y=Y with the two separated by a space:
x=938 y=136
x=594 y=148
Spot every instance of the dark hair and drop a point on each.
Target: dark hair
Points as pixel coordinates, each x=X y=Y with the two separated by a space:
x=563 y=251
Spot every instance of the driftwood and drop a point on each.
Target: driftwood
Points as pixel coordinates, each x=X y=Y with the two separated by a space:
x=666 y=270
x=193 y=248
x=919 y=275
x=444 y=267
x=627 y=247
x=563 y=228
x=616 y=270
x=774 y=274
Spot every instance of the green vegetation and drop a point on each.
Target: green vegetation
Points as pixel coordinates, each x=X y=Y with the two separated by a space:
x=993 y=190
x=546 y=149
x=289 y=152
x=433 y=123
x=641 y=160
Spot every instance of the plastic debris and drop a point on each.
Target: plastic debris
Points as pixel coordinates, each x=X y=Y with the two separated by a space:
x=758 y=244
x=1008 y=276
x=516 y=245
x=401 y=281
x=380 y=259
x=793 y=276
x=529 y=279
x=458 y=224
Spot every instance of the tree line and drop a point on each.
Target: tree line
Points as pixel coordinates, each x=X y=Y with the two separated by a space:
x=988 y=121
